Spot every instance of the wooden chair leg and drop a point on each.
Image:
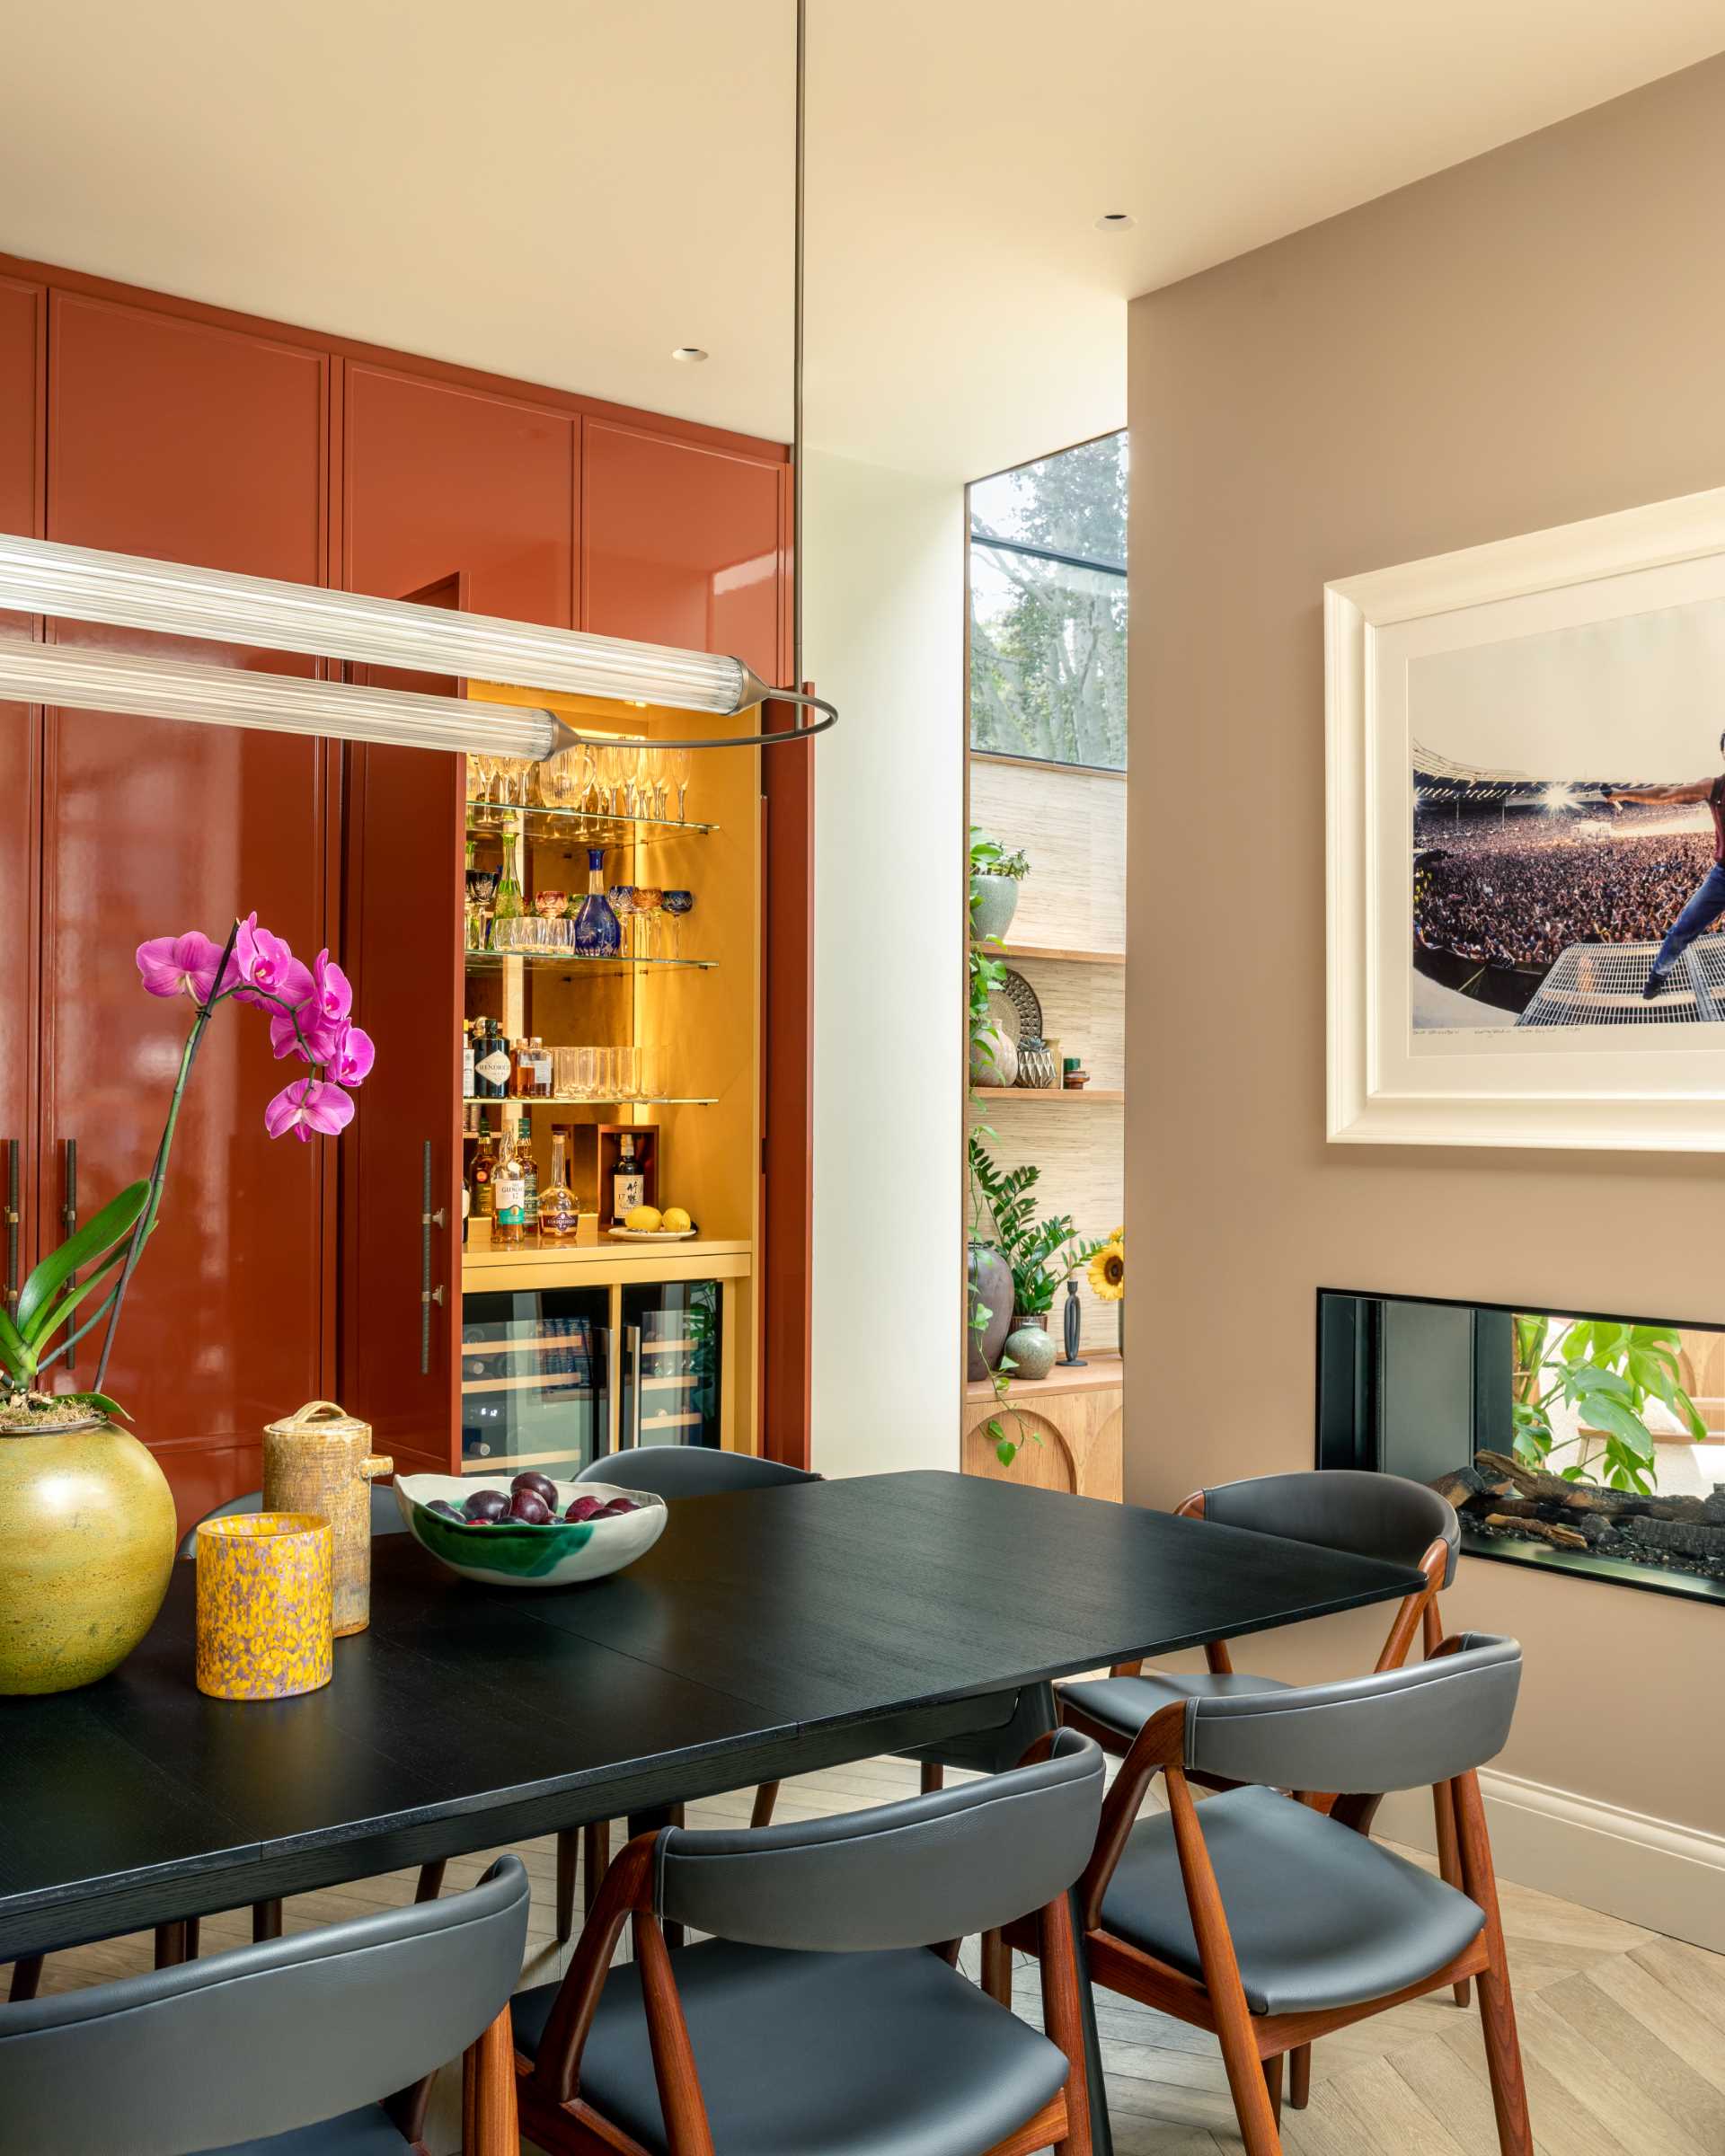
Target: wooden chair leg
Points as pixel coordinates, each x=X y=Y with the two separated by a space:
x=766 y=1797
x=596 y=1861
x=569 y=1850
x=489 y=2125
x=996 y=1968
x=266 y=1922
x=170 y=1945
x=1273 y=2082
x=1497 y=2005
x=1299 y=2077
x=1449 y=1859
x=933 y=1777
x=431 y=1883
x=26 y=1977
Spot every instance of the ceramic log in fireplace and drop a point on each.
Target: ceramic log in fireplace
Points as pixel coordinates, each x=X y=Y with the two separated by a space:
x=1426 y=1389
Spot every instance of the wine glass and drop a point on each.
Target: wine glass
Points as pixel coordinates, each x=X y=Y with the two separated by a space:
x=624 y=903
x=676 y=904
x=677 y=764
x=648 y=900
x=614 y=771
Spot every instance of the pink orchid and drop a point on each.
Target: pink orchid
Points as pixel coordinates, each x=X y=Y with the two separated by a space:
x=309 y=1108
x=171 y=965
x=265 y=963
x=313 y=1037
x=331 y=990
x=355 y=1052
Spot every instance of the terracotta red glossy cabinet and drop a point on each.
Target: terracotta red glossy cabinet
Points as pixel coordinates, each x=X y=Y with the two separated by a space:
x=199 y=444
x=21 y=346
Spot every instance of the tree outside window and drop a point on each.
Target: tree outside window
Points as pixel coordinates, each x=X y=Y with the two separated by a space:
x=1048 y=608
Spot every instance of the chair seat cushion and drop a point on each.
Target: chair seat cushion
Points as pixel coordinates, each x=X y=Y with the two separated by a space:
x=1321 y=1916
x=1124 y=1704
x=367 y=2132
x=889 y=2054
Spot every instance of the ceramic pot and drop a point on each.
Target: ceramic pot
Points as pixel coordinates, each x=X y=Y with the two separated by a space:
x=994 y=900
x=321 y=1461
x=994 y=1059
x=991 y=1285
x=1030 y=1347
x=1037 y=1068
x=87 y=1538
x=265 y=1606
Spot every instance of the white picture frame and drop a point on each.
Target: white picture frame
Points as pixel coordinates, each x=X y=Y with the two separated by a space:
x=1659 y=1088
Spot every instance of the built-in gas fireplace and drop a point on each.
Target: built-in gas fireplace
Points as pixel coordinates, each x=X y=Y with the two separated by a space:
x=1574 y=1442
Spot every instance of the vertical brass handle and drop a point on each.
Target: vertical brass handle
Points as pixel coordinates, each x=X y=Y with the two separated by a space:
x=13 y=1217
x=634 y=1380
x=69 y=1222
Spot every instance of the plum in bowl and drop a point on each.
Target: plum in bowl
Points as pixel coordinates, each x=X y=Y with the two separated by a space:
x=527 y=1531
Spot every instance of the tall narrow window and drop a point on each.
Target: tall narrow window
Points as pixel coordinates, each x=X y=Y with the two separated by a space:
x=1048 y=608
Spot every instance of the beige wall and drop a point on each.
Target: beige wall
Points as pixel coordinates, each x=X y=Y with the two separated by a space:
x=1534 y=337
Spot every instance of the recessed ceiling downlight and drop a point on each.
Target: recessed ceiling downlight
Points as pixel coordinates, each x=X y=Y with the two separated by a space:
x=690 y=352
x=1116 y=220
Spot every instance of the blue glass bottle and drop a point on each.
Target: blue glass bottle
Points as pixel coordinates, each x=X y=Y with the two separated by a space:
x=598 y=934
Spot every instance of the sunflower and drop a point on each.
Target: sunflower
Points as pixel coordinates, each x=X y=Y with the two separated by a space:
x=1108 y=1271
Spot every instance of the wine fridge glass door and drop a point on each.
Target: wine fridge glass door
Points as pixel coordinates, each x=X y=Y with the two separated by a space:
x=535 y=1381
x=671 y=1376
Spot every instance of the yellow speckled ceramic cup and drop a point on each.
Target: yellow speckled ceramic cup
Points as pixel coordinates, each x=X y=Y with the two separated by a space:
x=265 y=1606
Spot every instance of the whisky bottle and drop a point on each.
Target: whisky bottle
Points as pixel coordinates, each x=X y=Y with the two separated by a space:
x=559 y=1216
x=530 y=1180
x=484 y=1171
x=509 y=1195
x=628 y=1184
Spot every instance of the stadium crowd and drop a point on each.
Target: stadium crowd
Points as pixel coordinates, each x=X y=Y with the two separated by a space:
x=1496 y=893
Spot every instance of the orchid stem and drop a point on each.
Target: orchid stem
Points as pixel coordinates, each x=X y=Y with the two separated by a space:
x=158 y=1173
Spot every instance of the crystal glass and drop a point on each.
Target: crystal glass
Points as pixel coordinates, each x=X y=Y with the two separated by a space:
x=677 y=904
x=564 y=1067
x=622 y=905
x=649 y=1070
x=649 y=899
x=628 y=1070
x=677 y=761
x=587 y=1073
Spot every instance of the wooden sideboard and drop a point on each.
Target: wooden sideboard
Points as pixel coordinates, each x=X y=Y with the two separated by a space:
x=1077 y=1414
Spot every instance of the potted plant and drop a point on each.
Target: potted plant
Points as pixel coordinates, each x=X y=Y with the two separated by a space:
x=87 y=1530
x=1040 y=1255
x=994 y=878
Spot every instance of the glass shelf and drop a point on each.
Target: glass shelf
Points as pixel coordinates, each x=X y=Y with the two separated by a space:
x=591 y=1100
x=575 y=828
x=571 y=961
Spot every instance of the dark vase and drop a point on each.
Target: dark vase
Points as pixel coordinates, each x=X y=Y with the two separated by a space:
x=1073 y=1324
x=991 y=1287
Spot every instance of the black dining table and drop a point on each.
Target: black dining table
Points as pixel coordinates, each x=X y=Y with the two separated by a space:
x=769 y=1633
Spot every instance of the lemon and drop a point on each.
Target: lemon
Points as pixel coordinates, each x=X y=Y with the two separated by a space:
x=677 y=1218
x=644 y=1220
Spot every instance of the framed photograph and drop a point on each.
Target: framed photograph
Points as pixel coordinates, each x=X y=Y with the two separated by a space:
x=1526 y=825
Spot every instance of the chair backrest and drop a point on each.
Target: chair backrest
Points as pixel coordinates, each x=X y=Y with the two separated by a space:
x=933 y=1868
x=1394 y=1730
x=266 y=2038
x=386 y=1515
x=1343 y=1508
x=690 y=1470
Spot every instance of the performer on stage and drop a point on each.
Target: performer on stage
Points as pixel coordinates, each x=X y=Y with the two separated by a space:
x=1709 y=901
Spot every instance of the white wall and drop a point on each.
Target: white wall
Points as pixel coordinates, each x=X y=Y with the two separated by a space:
x=884 y=638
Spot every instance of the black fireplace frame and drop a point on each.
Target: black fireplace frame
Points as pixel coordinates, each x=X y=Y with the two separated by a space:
x=1350 y=1407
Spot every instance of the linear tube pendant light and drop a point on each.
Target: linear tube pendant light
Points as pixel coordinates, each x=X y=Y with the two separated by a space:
x=77 y=677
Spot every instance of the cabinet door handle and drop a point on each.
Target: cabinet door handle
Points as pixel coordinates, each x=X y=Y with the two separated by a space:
x=634 y=1382
x=13 y=1218
x=428 y=1294
x=602 y=1439
x=69 y=1222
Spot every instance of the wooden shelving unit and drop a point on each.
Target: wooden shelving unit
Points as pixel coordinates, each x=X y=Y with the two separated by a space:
x=1035 y=951
x=1048 y=1092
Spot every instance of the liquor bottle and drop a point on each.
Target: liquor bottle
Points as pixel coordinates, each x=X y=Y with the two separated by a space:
x=509 y=1195
x=560 y=1214
x=530 y=1180
x=506 y=904
x=597 y=933
x=628 y=1184
x=467 y=1059
x=466 y=1209
x=485 y=1172
x=491 y=1065
x=538 y=1087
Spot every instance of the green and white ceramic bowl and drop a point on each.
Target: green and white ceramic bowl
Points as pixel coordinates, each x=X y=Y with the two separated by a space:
x=514 y=1555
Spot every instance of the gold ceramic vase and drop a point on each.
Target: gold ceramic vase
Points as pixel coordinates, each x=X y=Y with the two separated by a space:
x=87 y=1537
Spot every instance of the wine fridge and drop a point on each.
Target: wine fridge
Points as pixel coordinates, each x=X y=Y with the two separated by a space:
x=671 y=1380
x=536 y=1372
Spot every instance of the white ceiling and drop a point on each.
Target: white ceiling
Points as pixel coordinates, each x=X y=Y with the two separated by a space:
x=564 y=190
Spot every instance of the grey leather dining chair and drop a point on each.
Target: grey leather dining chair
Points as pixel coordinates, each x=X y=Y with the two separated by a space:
x=1270 y=1923
x=669 y=1472
x=313 y=2045
x=816 y=2017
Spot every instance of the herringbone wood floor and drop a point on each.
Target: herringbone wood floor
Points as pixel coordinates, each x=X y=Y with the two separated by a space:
x=1623 y=2031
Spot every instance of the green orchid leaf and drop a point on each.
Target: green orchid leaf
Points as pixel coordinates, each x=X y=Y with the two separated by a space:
x=115 y=1219
x=99 y=1400
x=48 y=1321
x=15 y=1352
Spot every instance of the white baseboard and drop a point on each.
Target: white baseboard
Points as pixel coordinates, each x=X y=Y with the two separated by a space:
x=1648 y=1871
